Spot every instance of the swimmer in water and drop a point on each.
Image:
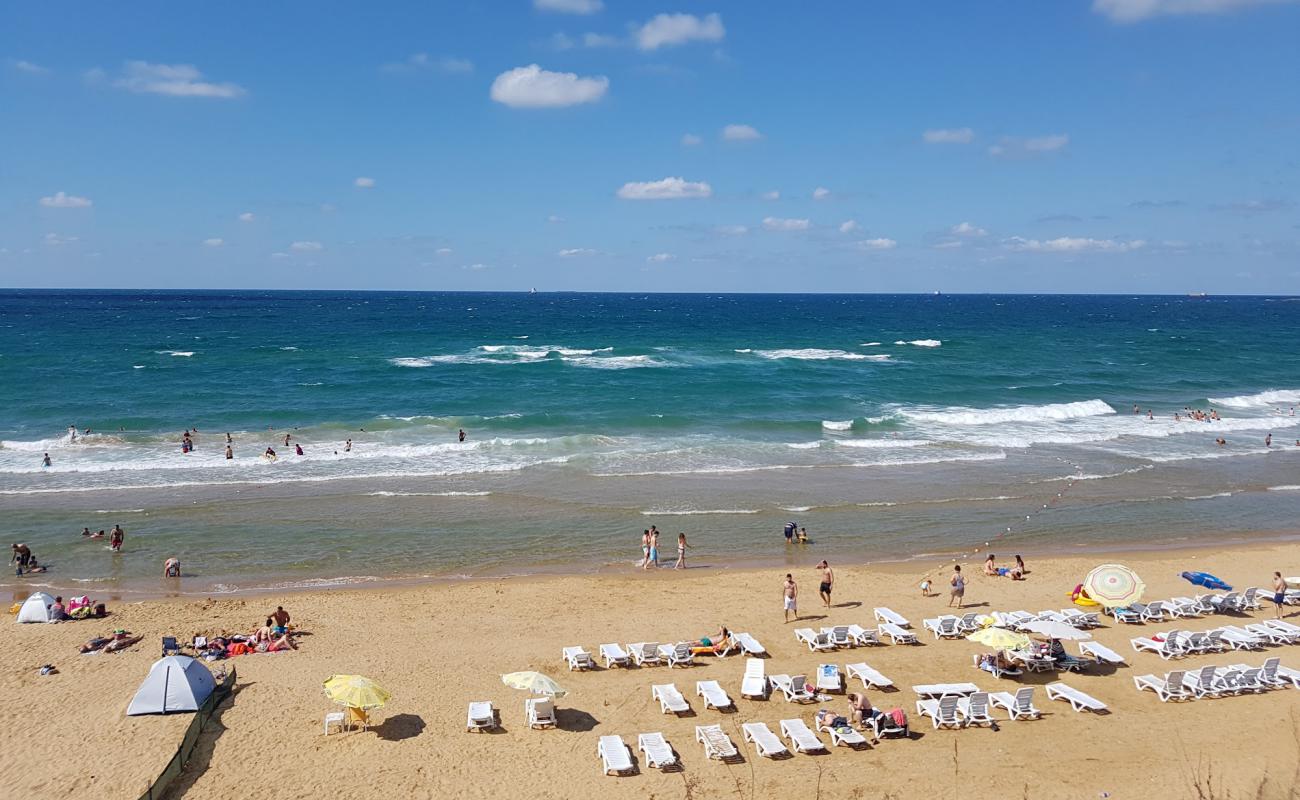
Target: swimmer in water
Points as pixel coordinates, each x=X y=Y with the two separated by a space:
x=229 y=453
x=45 y=462
x=85 y=531
x=269 y=455
x=462 y=434
x=228 y=439
x=297 y=448
x=1268 y=440
x=287 y=437
x=347 y=448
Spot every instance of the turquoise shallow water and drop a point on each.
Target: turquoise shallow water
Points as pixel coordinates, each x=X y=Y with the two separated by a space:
x=889 y=425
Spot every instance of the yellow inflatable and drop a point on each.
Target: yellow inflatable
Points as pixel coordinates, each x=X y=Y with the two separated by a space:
x=1080 y=598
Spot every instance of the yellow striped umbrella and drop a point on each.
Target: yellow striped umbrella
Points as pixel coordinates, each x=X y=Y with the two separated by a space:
x=1114 y=585
x=1000 y=638
x=355 y=691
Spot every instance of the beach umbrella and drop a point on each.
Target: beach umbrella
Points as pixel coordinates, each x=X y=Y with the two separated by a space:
x=534 y=682
x=1205 y=579
x=1000 y=638
x=1056 y=630
x=1114 y=585
x=355 y=691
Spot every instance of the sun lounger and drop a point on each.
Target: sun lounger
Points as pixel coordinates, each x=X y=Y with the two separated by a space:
x=1167 y=649
x=897 y=634
x=1229 y=603
x=991 y=667
x=677 y=655
x=1080 y=619
x=794 y=688
x=577 y=658
x=644 y=653
x=749 y=644
x=863 y=636
x=1101 y=652
x=614 y=756
x=1271 y=634
x=1288 y=675
x=843 y=736
x=765 y=742
x=714 y=695
x=942 y=712
x=1268 y=674
x=886 y=614
x=1033 y=660
x=1250 y=679
x=974 y=709
x=969 y=623
x=658 y=753
x=942 y=689
x=1019 y=705
x=1167 y=688
x=945 y=627
x=1188 y=607
x=829 y=678
x=1282 y=625
x=481 y=717
x=839 y=636
x=540 y=712
x=1240 y=638
x=1011 y=619
x=1126 y=614
x=1249 y=600
x=716 y=743
x=670 y=700
x=871 y=678
x=754 y=683
x=801 y=737
x=1203 y=682
x=1078 y=700
x=613 y=655
x=815 y=641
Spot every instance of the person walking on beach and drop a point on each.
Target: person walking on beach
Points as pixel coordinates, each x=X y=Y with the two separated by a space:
x=790 y=596
x=115 y=538
x=681 y=551
x=828 y=581
x=958 y=583
x=1279 y=594
x=654 y=548
x=645 y=549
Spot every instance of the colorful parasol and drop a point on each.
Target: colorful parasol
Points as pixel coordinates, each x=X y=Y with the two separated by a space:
x=1114 y=585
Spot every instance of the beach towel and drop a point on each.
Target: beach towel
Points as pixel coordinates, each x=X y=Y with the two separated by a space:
x=900 y=719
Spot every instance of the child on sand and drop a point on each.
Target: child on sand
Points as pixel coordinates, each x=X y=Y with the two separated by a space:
x=925 y=587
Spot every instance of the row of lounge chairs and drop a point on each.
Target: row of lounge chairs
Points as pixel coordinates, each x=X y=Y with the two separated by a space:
x=1016 y=620
x=1212 y=681
x=1253 y=636
x=846 y=636
x=646 y=654
x=956 y=711
x=1181 y=607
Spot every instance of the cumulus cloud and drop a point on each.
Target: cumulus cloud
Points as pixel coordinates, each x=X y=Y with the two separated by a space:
x=214 y=242
x=948 y=136
x=1012 y=147
x=574 y=252
x=534 y=87
x=28 y=67
x=878 y=244
x=966 y=229
x=659 y=258
x=1072 y=244
x=771 y=195
x=307 y=246
x=63 y=200
x=569 y=6
x=849 y=226
x=423 y=62
x=666 y=189
x=174 y=80
x=740 y=133
x=690 y=140
x=784 y=224
x=821 y=193
x=364 y=183
x=667 y=30
x=1127 y=11
x=247 y=216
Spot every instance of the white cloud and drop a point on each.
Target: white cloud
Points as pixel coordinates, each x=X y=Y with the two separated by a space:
x=666 y=189
x=741 y=133
x=307 y=247
x=28 y=67
x=947 y=245
x=63 y=200
x=364 y=183
x=569 y=6
x=780 y=224
x=449 y=65
x=1138 y=10
x=575 y=252
x=443 y=251
x=1072 y=244
x=690 y=140
x=247 y=216
x=600 y=40
x=534 y=87
x=771 y=195
x=659 y=258
x=731 y=230
x=849 y=226
x=966 y=229
x=878 y=244
x=213 y=242
x=1010 y=146
x=821 y=193
x=674 y=29
x=175 y=80
x=948 y=136
x=54 y=239
x=555 y=219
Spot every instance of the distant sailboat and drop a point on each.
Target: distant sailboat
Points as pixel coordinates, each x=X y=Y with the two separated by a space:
x=533 y=290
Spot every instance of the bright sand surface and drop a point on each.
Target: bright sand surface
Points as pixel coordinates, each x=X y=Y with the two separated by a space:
x=437 y=647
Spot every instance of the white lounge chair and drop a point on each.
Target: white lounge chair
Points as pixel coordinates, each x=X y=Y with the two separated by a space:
x=944 y=627
x=815 y=641
x=714 y=695
x=863 y=636
x=716 y=743
x=1268 y=674
x=1019 y=705
x=644 y=653
x=614 y=756
x=933 y=690
x=942 y=712
x=1271 y=634
x=794 y=688
x=1281 y=625
x=969 y=622
x=1126 y=614
x=481 y=717
x=897 y=634
x=765 y=742
x=1249 y=600
x=1240 y=638
x=1154 y=611
x=885 y=614
x=839 y=636
x=677 y=655
x=801 y=737
x=974 y=709
x=870 y=677
x=658 y=753
x=1288 y=675
x=749 y=644
x=1167 y=649
x=577 y=658
x=1203 y=682
x=754 y=683
x=1080 y=619
x=1011 y=619
x=843 y=736
x=336 y=718
x=1167 y=688
x=670 y=700
x=1101 y=652
x=1078 y=700
x=540 y=712
x=614 y=655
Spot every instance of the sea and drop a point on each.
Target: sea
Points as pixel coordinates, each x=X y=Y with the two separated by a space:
x=914 y=428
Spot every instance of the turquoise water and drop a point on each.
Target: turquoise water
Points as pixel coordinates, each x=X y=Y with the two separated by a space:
x=890 y=425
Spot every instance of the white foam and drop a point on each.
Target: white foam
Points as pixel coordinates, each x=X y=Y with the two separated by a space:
x=1284 y=488
x=921 y=342
x=427 y=494
x=833 y=425
x=877 y=504
x=669 y=512
x=959 y=415
x=814 y=354
x=870 y=344
x=180 y=353
x=1209 y=496
x=880 y=443
x=137 y=366
x=119 y=511
x=1265 y=399
x=803 y=445
x=796 y=509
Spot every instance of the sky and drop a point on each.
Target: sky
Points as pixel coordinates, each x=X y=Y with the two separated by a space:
x=1143 y=146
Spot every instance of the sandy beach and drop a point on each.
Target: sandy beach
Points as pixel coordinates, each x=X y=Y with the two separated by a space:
x=438 y=647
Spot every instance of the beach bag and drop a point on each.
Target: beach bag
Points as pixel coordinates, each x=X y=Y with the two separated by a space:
x=100 y=610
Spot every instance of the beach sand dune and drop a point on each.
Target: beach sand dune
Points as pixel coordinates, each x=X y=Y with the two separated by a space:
x=438 y=647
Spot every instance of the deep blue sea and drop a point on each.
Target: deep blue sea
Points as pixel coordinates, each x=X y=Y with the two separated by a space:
x=892 y=426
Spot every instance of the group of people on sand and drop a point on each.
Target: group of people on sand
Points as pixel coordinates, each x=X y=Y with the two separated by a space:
x=121 y=639
x=650 y=549
x=861 y=714
x=275 y=636
x=790 y=590
x=1016 y=572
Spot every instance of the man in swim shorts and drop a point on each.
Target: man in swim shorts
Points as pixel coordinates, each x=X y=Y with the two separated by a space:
x=789 y=532
x=790 y=594
x=828 y=580
x=1279 y=594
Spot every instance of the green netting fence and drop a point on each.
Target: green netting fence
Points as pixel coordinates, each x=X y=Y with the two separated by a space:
x=177 y=763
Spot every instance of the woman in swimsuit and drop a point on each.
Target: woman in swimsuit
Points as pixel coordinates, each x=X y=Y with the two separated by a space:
x=681 y=551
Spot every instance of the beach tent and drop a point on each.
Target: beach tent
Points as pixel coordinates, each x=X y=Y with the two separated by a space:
x=175 y=683
x=36 y=608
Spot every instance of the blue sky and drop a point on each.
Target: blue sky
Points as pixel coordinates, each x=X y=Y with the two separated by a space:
x=1072 y=146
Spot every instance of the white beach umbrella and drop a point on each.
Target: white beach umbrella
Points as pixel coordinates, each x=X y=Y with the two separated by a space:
x=1056 y=630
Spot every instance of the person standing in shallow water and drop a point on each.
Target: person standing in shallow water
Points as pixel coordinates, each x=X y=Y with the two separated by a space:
x=461 y=435
x=681 y=551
